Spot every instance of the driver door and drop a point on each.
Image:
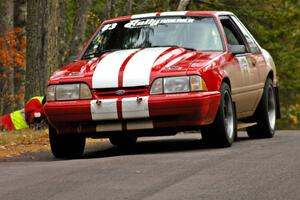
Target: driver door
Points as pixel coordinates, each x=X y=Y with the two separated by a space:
x=244 y=74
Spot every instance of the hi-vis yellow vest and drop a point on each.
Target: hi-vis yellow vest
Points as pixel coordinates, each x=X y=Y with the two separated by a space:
x=18 y=119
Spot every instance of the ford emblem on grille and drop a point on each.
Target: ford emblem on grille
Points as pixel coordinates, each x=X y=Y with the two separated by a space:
x=120 y=92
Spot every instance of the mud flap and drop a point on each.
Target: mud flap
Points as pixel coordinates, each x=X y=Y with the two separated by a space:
x=278 y=112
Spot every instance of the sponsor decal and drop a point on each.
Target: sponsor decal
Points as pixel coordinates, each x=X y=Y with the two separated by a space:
x=243 y=62
x=137 y=23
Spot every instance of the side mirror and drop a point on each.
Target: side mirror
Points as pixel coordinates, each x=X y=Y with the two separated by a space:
x=237 y=49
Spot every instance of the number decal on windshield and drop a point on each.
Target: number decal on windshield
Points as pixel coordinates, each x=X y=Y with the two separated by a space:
x=109 y=27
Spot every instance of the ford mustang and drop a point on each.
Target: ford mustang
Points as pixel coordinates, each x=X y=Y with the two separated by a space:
x=161 y=73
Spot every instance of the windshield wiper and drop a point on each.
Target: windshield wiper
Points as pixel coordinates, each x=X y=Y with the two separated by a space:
x=187 y=48
x=98 y=53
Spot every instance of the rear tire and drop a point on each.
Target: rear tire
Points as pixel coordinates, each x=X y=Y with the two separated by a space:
x=222 y=132
x=123 y=141
x=265 y=114
x=66 y=146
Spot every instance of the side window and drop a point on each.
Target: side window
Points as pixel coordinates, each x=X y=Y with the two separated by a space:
x=230 y=36
x=233 y=37
x=249 y=38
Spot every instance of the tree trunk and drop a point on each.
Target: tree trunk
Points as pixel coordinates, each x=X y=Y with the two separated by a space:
x=108 y=11
x=44 y=48
x=79 y=27
x=173 y=4
x=36 y=52
x=62 y=36
x=6 y=16
x=183 y=5
x=19 y=71
x=6 y=25
x=20 y=13
x=129 y=8
x=111 y=8
x=52 y=24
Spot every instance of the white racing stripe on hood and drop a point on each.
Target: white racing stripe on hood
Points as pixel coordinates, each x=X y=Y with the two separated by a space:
x=138 y=69
x=176 y=60
x=107 y=71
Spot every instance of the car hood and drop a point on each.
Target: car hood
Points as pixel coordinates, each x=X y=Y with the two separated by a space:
x=134 y=67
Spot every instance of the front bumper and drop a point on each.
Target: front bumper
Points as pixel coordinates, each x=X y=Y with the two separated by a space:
x=125 y=114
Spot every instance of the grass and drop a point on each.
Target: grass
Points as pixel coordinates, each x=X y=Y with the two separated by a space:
x=26 y=136
x=23 y=141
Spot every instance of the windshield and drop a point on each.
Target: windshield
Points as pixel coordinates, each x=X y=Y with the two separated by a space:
x=198 y=33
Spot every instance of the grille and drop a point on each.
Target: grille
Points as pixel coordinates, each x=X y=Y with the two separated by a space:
x=143 y=90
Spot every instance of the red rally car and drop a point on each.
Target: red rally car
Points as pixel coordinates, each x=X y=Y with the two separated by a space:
x=160 y=73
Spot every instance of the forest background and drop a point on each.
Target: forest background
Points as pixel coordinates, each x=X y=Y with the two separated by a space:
x=39 y=36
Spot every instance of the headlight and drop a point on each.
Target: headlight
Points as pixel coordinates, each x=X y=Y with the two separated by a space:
x=68 y=92
x=178 y=84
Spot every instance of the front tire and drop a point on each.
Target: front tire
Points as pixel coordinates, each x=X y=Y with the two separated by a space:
x=265 y=114
x=223 y=130
x=66 y=146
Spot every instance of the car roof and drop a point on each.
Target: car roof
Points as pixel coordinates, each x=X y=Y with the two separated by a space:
x=171 y=13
